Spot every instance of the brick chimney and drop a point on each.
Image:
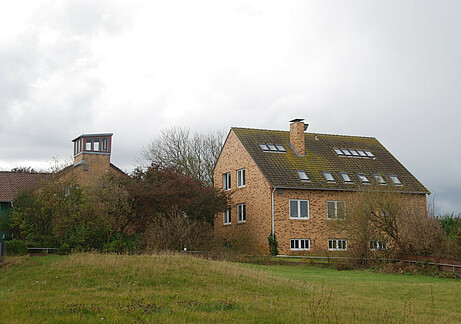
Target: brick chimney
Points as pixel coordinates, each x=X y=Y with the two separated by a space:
x=297 y=141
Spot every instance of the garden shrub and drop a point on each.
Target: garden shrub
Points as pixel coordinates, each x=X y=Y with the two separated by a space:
x=16 y=247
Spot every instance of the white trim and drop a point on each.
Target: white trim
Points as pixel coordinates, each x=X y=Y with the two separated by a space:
x=241 y=172
x=299 y=243
x=298 y=208
x=241 y=213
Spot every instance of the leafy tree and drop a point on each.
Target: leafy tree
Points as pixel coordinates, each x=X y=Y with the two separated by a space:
x=195 y=154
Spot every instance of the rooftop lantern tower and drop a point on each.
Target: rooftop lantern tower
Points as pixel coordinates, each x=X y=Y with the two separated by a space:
x=93 y=150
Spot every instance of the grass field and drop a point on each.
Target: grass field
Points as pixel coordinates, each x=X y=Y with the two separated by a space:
x=178 y=288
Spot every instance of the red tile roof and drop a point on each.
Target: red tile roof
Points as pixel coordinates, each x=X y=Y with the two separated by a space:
x=11 y=183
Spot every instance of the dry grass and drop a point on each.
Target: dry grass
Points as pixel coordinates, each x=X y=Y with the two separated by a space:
x=179 y=288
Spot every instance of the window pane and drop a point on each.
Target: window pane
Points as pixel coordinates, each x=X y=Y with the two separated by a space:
x=96 y=144
x=264 y=147
x=280 y=148
x=105 y=144
x=293 y=208
x=341 y=209
x=304 y=208
x=331 y=209
x=292 y=244
x=338 y=151
x=328 y=176
x=272 y=147
x=88 y=145
x=302 y=175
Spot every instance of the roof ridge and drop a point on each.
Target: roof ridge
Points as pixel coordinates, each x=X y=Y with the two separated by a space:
x=287 y=131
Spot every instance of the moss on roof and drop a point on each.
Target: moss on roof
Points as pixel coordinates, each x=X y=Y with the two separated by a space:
x=280 y=168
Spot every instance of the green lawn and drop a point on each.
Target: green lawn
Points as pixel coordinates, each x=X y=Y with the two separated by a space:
x=178 y=288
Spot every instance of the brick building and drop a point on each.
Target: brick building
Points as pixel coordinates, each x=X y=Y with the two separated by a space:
x=293 y=183
x=92 y=154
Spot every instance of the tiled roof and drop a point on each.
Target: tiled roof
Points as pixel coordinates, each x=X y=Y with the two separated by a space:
x=280 y=169
x=11 y=183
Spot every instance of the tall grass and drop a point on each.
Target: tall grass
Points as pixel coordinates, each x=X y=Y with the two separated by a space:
x=179 y=288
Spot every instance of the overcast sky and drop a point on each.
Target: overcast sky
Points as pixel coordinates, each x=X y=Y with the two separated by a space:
x=386 y=69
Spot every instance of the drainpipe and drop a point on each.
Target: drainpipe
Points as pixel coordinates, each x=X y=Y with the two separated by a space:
x=273 y=229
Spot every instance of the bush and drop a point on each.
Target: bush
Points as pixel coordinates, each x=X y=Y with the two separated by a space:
x=273 y=244
x=122 y=244
x=16 y=247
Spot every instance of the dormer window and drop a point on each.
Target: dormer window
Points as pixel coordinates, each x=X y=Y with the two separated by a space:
x=328 y=176
x=345 y=177
x=363 y=178
x=302 y=175
x=395 y=180
x=379 y=179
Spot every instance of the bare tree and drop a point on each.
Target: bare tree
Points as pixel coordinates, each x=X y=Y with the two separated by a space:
x=387 y=221
x=194 y=153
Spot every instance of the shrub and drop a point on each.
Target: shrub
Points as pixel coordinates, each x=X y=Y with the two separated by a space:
x=122 y=244
x=16 y=247
x=273 y=244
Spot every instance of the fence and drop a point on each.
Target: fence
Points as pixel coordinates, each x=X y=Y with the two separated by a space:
x=445 y=267
x=2 y=249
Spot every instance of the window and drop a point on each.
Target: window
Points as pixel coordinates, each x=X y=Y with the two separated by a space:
x=337 y=245
x=241 y=178
x=346 y=152
x=266 y=147
x=105 y=144
x=300 y=244
x=378 y=245
x=280 y=148
x=354 y=152
x=226 y=181
x=302 y=175
x=328 y=176
x=96 y=144
x=363 y=178
x=336 y=209
x=379 y=179
x=241 y=213
x=88 y=145
x=299 y=209
x=395 y=180
x=369 y=154
x=338 y=151
x=227 y=215
x=345 y=177
x=362 y=153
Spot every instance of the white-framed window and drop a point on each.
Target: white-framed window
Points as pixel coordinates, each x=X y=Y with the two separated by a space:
x=363 y=178
x=395 y=180
x=337 y=245
x=227 y=215
x=241 y=213
x=88 y=144
x=241 y=178
x=302 y=175
x=379 y=179
x=299 y=209
x=96 y=144
x=328 y=176
x=336 y=209
x=226 y=181
x=300 y=244
x=378 y=245
x=345 y=177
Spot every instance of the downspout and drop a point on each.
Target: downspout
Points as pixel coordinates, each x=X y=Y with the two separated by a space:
x=273 y=229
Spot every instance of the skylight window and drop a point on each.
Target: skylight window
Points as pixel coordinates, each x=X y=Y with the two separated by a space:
x=302 y=175
x=346 y=177
x=379 y=179
x=354 y=153
x=362 y=153
x=338 y=151
x=395 y=180
x=266 y=147
x=368 y=153
x=328 y=176
x=280 y=148
x=363 y=178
